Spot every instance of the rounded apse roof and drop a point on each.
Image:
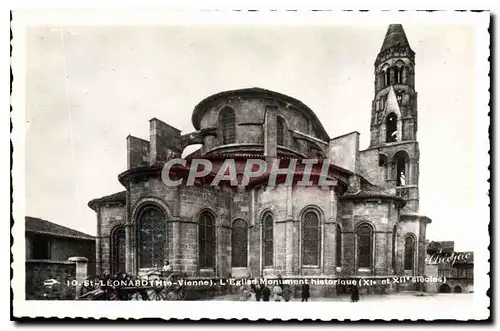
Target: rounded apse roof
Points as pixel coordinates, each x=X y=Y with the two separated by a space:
x=257 y=92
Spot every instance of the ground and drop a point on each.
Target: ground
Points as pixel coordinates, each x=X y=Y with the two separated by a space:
x=406 y=298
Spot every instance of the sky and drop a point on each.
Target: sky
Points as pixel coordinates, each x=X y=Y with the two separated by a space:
x=89 y=87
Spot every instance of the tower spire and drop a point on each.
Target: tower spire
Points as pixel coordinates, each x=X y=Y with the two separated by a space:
x=395 y=37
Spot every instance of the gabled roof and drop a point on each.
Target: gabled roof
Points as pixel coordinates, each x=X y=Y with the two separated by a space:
x=392 y=105
x=40 y=226
x=395 y=37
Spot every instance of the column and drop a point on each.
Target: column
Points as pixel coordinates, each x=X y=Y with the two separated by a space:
x=329 y=238
x=176 y=244
x=98 y=252
x=289 y=235
x=81 y=272
x=128 y=249
x=329 y=242
x=270 y=148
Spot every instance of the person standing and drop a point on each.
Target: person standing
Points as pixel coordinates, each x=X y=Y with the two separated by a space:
x=354 y=293
x=258 y=292
x=287 y=293
x=305 y=292
x=266 y=293
x=277 y=292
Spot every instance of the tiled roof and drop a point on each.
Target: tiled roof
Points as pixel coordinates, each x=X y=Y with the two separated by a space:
x=40 y=226
x=119 y=197
x=368 y=190
x=408 y=211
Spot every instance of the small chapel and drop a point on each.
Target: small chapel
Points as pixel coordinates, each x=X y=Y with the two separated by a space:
x=366 y=224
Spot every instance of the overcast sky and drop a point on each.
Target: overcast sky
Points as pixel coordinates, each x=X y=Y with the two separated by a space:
x=89 y=87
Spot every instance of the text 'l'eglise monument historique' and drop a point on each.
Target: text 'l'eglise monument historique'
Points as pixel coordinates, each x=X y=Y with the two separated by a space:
x=367 y=224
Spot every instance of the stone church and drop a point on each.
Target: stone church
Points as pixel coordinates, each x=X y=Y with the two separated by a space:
x=367 y=224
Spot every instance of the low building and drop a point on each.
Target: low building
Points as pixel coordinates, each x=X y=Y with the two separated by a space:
x=455 y=268
x=48 y=248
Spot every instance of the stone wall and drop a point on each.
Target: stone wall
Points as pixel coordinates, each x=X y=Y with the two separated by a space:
x=110 y=216
x=137 y=152
x=38 y=271
x=250 y=118
x=64 y=248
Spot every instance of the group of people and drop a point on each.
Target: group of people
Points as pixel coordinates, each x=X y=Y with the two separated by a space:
x=279 y=292
x=283 y=292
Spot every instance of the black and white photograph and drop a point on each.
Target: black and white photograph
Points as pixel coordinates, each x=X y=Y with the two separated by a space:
x=332 y=164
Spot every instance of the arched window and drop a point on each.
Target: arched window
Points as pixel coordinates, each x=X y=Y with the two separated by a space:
x=400 y=75
x=388 y=77
x=402 y=161
x=409 y=252
x=267 y=240
x=338 y=235
x=394 y=233
x=310 y=238
x=380 y=80
x=280 y=131
x=118 y=250
x=228 y=122
x=206 y=240
x=364 y=246
x=391 y=126
x=404 y=75
x=152 y=237
x=239 y=240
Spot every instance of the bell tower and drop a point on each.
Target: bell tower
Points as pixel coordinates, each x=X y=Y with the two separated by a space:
x=393 y=125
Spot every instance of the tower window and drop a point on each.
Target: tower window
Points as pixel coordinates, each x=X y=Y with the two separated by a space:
x=392 y=128
x=399 y=75
x=387 y=77
x=228 y=122
x=401 y=160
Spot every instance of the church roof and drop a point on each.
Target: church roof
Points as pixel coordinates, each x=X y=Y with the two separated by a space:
x=119 y=197
x=258 y=92
x=40 y=226
x=410 y=213
x=368 y=190
x=395 y=37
